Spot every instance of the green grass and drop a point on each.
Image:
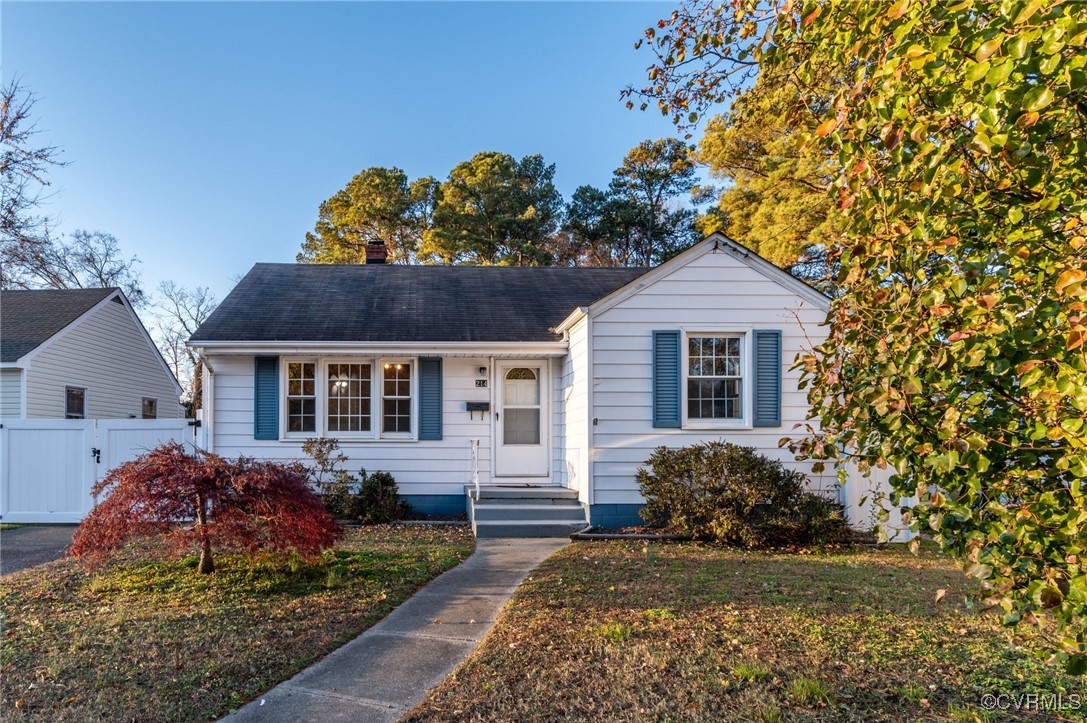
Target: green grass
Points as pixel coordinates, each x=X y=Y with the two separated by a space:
x=615 y=632
x=155 y=641
x=809 y=691
x=842 y=635
x=11 y=526
x=659 y=614
x=750 y=673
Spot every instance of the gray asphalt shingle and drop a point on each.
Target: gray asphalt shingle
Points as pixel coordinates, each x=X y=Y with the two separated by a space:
x=389 y=303
x=29 y=318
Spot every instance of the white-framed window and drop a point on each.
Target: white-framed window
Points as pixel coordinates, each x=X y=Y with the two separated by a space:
x=396 y=398
x=348 y=398
x=717 y=379
x=301 y=406
x=349 y=386
x=75 y=403
x=150 y=408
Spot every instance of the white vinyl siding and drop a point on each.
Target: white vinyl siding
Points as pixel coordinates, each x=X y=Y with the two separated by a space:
x=108 y=355
x=428 y=467
x=712 y=291
x=574 y=395
x=421 y=467
x=11 y=393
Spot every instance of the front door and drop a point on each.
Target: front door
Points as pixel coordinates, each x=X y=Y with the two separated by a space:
x=521 y=421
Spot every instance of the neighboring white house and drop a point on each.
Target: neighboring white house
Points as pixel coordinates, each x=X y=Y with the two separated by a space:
x=80 y=354
x=538 y=377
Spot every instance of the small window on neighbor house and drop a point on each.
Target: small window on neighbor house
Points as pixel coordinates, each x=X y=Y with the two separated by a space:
x=75 y=403
x=714 y=377
x=150 y=408
x=301 y=397
x=396 y=397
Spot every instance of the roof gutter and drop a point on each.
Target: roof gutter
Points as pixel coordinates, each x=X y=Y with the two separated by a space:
x=575 y=316
x=549 y=348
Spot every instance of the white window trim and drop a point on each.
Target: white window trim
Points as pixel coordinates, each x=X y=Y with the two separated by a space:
x=379 y=412
x=747 y=388
x=322 y=398
x=284 y=366
x=377 y=378
x=144 y=401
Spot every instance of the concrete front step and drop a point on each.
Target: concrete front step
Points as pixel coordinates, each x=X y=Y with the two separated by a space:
x=487 y=511
x=525 y=511
x=523 y=493
x=528 y=528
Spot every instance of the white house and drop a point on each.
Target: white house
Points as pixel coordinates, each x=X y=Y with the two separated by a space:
x=548 y=386
x=80 y=354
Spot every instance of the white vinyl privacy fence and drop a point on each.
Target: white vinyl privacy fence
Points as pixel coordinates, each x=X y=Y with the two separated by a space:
x=48 y=466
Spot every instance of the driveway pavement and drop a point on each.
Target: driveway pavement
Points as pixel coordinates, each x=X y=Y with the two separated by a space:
x=386 y=671
x=25 y=547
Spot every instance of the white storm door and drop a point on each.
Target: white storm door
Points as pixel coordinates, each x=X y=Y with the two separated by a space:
x=522 y=425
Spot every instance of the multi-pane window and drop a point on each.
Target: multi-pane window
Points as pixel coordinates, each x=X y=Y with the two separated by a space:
x=75 y=403
x=301 y=397
x=714 y=377
x=341 y=397
x=150 y=408
x=396 y=397
x=349 y=397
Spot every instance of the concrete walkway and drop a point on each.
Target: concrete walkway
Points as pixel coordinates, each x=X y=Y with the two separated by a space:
x=25 y=547
x=387 y=671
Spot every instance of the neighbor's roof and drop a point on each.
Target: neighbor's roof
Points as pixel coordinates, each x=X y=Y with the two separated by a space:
x=389 y=303
x=29 y=318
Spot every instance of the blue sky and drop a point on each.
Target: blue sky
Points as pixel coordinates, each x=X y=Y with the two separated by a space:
x=204 y=135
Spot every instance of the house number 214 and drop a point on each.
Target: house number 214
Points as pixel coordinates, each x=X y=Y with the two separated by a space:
x=481 y=382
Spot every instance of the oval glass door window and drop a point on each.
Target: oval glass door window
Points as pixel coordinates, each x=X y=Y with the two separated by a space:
x=521 y=409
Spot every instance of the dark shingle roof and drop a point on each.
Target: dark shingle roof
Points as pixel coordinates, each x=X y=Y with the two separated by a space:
x=303 y=302
x=29 y=318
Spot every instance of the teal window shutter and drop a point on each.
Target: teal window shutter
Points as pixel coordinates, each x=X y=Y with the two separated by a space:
x=767 y=377
x=430 y=398
x=266 y=397
x=667 y=378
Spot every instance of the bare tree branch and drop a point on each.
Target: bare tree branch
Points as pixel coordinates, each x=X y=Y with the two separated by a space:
x=23 y=180
x=179 y=311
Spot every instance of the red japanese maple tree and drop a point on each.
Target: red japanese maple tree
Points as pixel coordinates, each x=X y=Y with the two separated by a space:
x=205 y=500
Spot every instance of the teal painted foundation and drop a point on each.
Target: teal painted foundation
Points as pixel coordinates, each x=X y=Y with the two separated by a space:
x=437 y=504
x=619 y=515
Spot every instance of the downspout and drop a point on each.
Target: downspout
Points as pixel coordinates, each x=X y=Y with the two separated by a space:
x=208 y=402
x=23 y=374
x=590 y=407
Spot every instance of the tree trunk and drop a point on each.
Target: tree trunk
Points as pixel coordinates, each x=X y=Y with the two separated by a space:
x=207 y=565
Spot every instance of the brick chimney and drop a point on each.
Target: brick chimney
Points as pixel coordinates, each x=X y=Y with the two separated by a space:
x=376 y=253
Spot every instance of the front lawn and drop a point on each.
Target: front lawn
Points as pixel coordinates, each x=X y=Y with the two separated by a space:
x=628 y=631
x=158 y=642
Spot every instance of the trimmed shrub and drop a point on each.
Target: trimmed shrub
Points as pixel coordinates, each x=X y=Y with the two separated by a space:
x=734 y=495
x=378 y=499
x=367 y=498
